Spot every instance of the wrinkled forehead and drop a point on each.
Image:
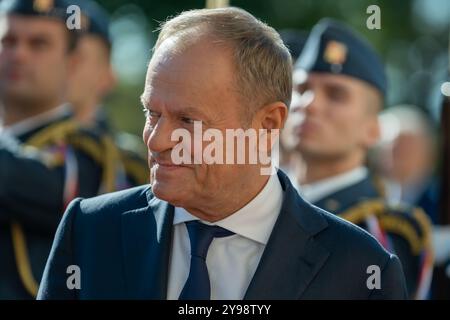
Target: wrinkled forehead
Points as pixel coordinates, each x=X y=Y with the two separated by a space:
x=201 y=75
x=199 y=65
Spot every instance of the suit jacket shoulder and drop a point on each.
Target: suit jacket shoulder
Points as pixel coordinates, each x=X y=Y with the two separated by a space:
x=116 y=202
x=122 y=243
x=312 y=254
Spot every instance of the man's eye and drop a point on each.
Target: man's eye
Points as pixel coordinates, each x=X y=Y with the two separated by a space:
x=187 y=120
x=8 y=42
x=337 y=95
x=150 y=114
x=39 y=44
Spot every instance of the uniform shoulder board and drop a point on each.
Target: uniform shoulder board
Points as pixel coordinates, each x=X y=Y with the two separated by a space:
x=55 y=133
x=358 y=213
x=64 y=132
x=413 y=226
x=409 y=222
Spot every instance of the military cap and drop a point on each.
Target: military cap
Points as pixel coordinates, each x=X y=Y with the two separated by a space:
x=332 y=47
x=45 y=8
x=95 y=20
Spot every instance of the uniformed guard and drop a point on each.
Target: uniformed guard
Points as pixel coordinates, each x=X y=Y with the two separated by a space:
x=339 y=88
x=91 y=82
x=46 y=158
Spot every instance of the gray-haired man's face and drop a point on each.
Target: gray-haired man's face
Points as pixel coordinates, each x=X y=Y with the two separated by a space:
x=195 y=83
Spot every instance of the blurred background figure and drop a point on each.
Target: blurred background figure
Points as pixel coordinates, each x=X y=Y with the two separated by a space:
x=290 y=160
x=94 y=80
x=339 y=87
x=407 y=158
x=47 y=157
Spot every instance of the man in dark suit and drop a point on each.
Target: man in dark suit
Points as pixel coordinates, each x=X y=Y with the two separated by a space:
x=214 y=230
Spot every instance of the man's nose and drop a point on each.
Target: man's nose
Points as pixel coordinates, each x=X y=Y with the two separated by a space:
x=313 y=102
x=159 y=137
x=17 y=53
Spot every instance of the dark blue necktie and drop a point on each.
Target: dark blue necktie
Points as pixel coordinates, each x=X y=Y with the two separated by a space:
x=197 y=286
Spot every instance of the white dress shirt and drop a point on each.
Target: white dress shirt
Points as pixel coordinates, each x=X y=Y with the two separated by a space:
x=231 y=261
x=325 y=187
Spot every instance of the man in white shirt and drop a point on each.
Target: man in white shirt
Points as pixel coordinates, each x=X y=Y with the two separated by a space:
x=214 y=230
x=339 y=88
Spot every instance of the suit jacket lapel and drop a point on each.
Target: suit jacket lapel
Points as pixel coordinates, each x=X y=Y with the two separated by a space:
x=292 y=257
x=146 y=239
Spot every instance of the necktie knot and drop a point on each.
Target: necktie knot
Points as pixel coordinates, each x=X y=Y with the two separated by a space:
x=201 y=235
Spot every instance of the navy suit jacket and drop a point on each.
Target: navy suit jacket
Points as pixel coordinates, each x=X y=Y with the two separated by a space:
x=122 y=242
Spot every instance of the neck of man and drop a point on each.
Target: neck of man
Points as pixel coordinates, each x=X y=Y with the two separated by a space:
x=17 y=111
x=318 y=168
x=222 y=207
x=86 y=111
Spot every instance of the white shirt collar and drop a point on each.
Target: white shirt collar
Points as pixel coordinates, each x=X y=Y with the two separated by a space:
x=322 y=188
x=29 y=124
x=255 y=220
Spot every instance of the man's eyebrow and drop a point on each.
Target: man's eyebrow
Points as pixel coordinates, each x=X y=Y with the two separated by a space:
x=39 y=36
x=337 y=86
x=185 y=111
x=190 y=111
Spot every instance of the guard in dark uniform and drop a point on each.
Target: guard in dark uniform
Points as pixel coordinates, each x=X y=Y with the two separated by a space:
x=46 y=157
x=94 y=79
x=340 y=85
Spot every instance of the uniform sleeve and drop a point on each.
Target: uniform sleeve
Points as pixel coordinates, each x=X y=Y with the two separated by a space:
x=54 y=280
x=32 y=191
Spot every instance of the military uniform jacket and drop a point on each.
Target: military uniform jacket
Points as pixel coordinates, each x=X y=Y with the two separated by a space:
x=402 y=230
x=40 y=173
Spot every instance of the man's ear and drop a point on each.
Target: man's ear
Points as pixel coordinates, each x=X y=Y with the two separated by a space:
x=272 y=116
x=73 y=60
x=372 y=132
x=108 y=81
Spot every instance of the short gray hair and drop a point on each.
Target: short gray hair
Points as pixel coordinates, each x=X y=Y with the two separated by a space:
x=263 y=63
